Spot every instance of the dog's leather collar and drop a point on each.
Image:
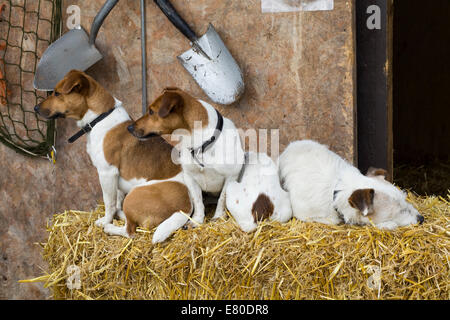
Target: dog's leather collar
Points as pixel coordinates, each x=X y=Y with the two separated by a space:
x=341 y=216
x=335 y=193
x=244 y=166
x=195 y=152
x=87 y=128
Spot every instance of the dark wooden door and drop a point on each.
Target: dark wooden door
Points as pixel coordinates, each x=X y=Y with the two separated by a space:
x=374 y=84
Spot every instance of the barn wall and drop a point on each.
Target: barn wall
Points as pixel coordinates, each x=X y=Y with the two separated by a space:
x=299 y=72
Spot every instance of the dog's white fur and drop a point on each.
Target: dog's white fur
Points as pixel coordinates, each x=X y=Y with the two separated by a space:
x=114 y=187
x=222 y=162
x=260 y=177
x=312 y=173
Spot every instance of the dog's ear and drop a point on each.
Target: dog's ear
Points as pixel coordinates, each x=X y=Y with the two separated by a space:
x=362 y=200
x=75 y=81
x=376 y=173
x=171 y=89
x=169 y=102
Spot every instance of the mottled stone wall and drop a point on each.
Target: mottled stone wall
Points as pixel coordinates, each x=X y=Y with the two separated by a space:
x=299 y=73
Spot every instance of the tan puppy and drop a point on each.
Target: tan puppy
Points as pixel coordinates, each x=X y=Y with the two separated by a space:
x=123 y=162
x=149 y=206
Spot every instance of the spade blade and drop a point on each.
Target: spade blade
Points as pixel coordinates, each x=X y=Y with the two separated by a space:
x=71 y=51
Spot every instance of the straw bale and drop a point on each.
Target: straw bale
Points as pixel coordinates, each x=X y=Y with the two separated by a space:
x=217 y=260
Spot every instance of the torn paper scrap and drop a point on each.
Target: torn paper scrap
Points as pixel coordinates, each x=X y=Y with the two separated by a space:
x=296 y=5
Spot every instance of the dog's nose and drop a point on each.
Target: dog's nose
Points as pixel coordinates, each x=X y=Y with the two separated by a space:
x=421 y=219
x=36 y=108
x=131 y=128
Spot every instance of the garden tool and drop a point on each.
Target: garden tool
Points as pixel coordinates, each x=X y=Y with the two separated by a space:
x=144 y=58
x=208 y=61
x=74 y=50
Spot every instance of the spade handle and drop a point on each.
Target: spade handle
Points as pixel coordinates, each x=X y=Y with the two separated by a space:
x=170 y=12
x=99 y=18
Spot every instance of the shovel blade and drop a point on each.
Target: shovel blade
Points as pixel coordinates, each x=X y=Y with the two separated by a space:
x=71 y=51
x=220 y=76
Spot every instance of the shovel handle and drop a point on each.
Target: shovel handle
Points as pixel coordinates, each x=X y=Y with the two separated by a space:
x=170 y=12
x=99 y=18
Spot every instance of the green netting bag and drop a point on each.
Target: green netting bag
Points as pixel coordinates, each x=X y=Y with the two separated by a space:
x=27 y=27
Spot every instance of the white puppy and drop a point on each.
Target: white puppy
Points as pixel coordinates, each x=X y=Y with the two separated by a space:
x=325 y=188
x=259 y=194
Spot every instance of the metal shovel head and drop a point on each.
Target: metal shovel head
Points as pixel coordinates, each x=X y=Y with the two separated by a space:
x=71 y=51
x=220 y=76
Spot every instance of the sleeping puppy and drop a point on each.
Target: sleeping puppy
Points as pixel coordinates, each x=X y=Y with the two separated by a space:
x=325 y=188
x=258 y=195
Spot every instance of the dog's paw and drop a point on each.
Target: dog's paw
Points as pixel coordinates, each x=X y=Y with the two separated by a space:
x=120 y=215
x=190 y=225
x=102 y=222
x=194 y=222
x=218 y=214
x=113 y=230
x=160 y=236
x=215 y=219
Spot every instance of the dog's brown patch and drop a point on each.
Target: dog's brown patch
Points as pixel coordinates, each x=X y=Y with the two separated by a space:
x=376 y=172
x=174 y=109
x=74 y=81
x=362 y=200
x=169 y=101
x=149 y=206
x=75 y=95
x=149 y=159
x=262 y=208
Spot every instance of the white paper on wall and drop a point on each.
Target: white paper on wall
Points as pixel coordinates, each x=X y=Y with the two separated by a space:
x=296 y=5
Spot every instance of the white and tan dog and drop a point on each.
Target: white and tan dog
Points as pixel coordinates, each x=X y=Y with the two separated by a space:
x=157 y=194
x=325 y=188
x=210 y=148
x=258 y=195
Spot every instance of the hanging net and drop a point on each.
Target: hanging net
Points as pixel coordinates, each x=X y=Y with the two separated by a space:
x=27 y=27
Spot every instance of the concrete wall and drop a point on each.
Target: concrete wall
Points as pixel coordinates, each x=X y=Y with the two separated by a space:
x=299 y=73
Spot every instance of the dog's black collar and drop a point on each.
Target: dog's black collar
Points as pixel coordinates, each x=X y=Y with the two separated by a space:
x=87 y=128
x=339 y=213
x=244 y=166
x=195 y=152
x=335 y=193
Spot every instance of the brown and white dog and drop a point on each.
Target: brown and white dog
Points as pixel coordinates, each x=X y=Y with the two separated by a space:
x=143 y=170
x=210 y=150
